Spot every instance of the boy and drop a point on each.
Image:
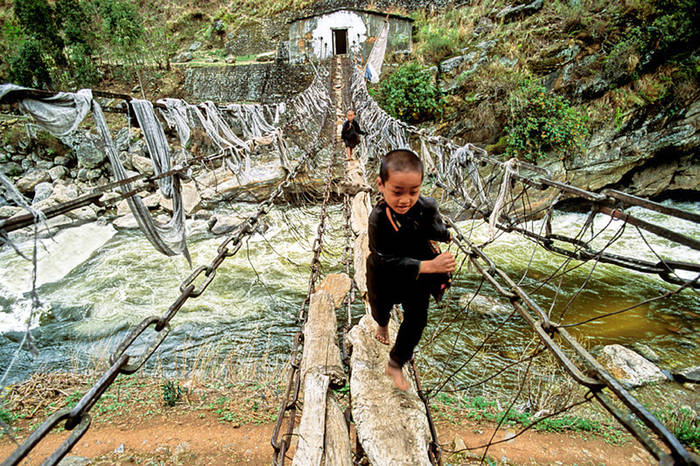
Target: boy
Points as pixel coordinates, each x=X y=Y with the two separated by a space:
x=403 y=266
x=350 y=134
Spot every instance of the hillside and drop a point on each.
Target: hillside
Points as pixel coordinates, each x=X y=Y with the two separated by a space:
x=603 y=94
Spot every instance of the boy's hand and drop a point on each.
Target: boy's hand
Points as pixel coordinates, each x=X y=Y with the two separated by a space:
x=444 y=263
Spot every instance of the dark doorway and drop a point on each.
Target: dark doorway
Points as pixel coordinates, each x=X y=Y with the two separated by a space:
x=340 y=41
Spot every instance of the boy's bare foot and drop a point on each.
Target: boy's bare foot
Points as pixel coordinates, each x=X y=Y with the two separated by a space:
x=382 y=334
x=397 y=377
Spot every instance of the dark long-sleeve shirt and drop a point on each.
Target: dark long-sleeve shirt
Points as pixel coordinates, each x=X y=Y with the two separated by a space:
x=351 y=131
x=397 y=249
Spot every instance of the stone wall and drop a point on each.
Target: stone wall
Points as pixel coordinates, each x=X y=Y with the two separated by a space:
x=260 y=82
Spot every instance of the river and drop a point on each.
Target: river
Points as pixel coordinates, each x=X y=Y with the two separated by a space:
x=95 y=284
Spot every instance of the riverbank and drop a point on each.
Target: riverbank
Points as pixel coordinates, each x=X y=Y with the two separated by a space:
x=152 y=420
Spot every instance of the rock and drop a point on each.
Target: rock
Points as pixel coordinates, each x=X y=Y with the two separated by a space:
x=510 y=13
x=122 y=139
x=628 y=366
x=119 y=449
x=253 y=186
x=689 y=375
x=650 y=159
x=7 y=211
x=4 y=157
x=74 y=461
x=42 y=191
x=646 y=352
x=58 y=172
x=458 y=444
x=27 y=164
x=93 y=174
x=89 y=151
x=27 y=183
x=337 y=285
x=222 y=224
x=195 y=46
x=152 y=201
x=11 y=169
x=82 y=174
x=183 y=57
x=181 y=448
x=61 y=160
x=143 y=165
x=484 y=26
x=126 y=222
x=64 y=192
x=83 y=214
x=190 y=199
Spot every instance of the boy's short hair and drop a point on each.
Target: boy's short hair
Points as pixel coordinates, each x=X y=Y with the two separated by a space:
x=400 y=160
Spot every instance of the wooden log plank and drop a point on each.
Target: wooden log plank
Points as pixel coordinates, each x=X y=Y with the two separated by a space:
x=338 y=449
x=321 y=353
x=359 y=213
x=313 y=421
x=391 y=425
x=360 y=262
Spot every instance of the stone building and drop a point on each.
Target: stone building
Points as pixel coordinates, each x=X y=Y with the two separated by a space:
x=335 y=32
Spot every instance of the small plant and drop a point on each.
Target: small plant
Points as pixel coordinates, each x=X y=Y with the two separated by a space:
x=409 y=94
x=540 y=122
x=683 y=423
x=172 y=392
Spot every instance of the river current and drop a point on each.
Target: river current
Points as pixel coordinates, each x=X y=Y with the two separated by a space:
x=95 y=284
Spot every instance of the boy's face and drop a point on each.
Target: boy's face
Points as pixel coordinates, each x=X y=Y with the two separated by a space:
x=351 y=115
x=400 y=190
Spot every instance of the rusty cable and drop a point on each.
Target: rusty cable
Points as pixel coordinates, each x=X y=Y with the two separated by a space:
x=123 y=363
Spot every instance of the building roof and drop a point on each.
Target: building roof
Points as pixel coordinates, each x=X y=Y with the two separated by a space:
x=359 y=10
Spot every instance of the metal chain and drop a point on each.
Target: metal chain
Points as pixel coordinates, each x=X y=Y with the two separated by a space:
x=601 y=379
x=288 y=406
x=122 y=363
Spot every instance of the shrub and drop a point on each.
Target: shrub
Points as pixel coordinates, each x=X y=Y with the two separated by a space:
x=27 y=66
x=409 y=94
x=541 y=122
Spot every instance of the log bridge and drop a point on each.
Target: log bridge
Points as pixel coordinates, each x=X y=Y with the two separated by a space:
x=389 y=426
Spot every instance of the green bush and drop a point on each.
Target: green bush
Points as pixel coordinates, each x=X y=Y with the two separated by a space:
x=541 y=122
x=27 y=66
x=409 y=94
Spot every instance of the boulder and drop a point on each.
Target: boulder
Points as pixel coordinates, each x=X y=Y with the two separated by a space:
x=7 y=211
x=27 y=183
x=61 y=160
x=83 y=214
x=11 y=169
x=629 y=367
x=126 y=222
x=143 y=165
x=195 y=46
x=89 y=150
x=42 y=191
x=222 y=224
x=267 y=56
x=183 y=57
x=689 y=375
x=512 y=12
x=58 y=172
x=191 y=200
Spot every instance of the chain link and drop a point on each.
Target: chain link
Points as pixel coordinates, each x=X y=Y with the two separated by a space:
x=77 y=419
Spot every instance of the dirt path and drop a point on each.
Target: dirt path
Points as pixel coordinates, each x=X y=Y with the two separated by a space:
x=189 y=438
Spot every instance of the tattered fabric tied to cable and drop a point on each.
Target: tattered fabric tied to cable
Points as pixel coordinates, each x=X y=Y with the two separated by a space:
x=61 y=113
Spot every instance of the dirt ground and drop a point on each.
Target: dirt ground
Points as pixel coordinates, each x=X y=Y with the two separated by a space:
x=234 y=425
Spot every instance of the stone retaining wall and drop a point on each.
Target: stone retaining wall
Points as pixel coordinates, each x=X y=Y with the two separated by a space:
x=258 y=82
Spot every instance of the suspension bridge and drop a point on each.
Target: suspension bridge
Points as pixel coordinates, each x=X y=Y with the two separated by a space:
x=392 y=427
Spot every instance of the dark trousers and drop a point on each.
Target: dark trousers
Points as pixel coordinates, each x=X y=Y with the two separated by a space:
x=414 y=299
